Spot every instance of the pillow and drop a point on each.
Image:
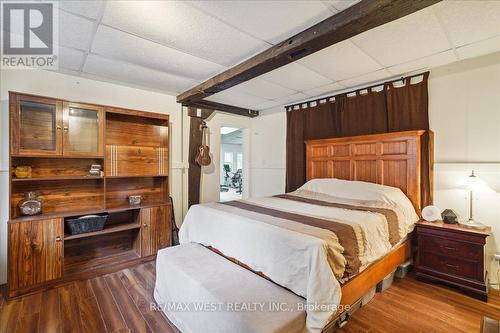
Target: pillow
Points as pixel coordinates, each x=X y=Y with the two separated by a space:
x=357 y=190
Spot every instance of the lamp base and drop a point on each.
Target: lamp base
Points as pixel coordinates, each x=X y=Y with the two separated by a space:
x=472 y=224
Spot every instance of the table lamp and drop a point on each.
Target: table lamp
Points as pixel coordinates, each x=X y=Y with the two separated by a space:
x=474 y=184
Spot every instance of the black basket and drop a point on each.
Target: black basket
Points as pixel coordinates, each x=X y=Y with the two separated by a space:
x=75 y=226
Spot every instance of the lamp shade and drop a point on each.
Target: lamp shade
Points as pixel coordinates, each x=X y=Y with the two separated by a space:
x=476 y=184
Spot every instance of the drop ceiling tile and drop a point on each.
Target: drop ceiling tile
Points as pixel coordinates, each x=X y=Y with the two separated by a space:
x=329 y=88
x=432 y=61
x=261 y=88
x=366 y=79
x=411 y=37
x=296 y=77
x=487 y=46
x=237 y=98
x=90 y=9
x=126 y=47
x=70 y=59
x=180 y=26
x=265 y=105
x=469 y=21
x=340 y=4
x=75 y=31
x=136 y=75
x=341 y=61
x=272 y=21
x=292 y=98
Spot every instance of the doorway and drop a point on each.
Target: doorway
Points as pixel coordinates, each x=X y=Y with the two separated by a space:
x=231 y=155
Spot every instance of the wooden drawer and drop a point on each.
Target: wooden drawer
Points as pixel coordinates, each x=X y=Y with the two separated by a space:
x=136 y=161
x=453 y=266
x=451 y=248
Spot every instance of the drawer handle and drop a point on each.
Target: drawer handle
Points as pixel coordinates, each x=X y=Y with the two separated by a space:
x=450 y=248
x=58 y=238
x=452 y=266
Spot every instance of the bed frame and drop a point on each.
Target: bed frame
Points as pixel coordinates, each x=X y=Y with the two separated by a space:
x=391 y=159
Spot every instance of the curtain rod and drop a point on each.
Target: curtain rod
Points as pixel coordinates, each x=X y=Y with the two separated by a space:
x=317 y=100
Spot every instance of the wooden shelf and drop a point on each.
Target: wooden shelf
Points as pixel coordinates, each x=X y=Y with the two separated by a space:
x=36 y=179
x=106 y=230
x=87 y=212
x=59 y=156
x=137 y=176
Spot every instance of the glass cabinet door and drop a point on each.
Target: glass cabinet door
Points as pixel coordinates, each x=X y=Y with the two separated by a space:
x=36 y=126
x=83 y=129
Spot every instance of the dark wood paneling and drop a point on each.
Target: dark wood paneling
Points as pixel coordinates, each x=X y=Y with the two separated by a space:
x=146 y=131
x=194 y=171
x=52 y=167
x=136 y=161
x=152 y=189
x=35 y=252
x=61 y=195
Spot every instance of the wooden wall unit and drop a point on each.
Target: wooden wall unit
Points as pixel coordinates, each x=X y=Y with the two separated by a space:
x=60 y=140
x=391 y=159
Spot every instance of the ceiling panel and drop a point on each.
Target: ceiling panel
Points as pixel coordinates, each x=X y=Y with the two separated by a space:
x=91 y=9
x=265 y=105
x=70 y=59
x=178 y=25
x=329 y=88
x=272 y=21
x=75 y=31
x=341 y=61
x=264 y=89
x=137 y=75
x=366 y=79
x=233 y=97
x=487 y=46
x=296 y=77
x=126 y=47
x=292 y=98
x=340 y=4
x=411 y=37
x=432 y=61
x=469 y=21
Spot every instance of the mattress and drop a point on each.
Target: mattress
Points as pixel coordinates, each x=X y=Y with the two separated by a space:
x=308 y=241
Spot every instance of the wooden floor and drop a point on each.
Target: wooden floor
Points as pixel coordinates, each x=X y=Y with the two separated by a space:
x=120 y=302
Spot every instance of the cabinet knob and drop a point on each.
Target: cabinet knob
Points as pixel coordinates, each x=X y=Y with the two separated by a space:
x=59 y=127
x=65 y=128
x=145 y=225
x=58 y=238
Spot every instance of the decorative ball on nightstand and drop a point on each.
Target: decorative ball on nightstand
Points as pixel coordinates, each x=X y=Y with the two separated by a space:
x=431 y=213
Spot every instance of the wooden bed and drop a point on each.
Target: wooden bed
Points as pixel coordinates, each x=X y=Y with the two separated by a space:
x=391 y=159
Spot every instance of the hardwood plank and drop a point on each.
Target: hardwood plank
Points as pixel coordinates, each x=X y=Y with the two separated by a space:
x=90 y=315
x=360 y=17
x=50 y=320
x=10 y=315
x=135 y=321
x=111 y=315
x=69 y=309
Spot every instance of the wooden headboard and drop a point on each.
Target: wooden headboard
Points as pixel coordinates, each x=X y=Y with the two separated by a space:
x=391 y=159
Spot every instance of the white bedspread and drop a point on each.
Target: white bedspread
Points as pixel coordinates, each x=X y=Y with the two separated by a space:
x=294 y=255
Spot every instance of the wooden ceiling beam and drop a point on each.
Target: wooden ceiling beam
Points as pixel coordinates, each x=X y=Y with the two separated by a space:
x=361 y=17
x=222 y=107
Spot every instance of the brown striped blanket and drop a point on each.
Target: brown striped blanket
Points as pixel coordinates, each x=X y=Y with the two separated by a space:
x=305 y=241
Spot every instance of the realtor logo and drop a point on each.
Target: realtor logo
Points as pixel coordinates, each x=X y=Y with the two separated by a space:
x=29 y=33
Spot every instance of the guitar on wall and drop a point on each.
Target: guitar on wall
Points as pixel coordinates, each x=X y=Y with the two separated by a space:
x=203 y=156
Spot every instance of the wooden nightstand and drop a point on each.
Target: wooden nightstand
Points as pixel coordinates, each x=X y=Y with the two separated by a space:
x=453 y=255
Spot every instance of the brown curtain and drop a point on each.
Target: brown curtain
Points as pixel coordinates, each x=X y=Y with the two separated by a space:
x=366 y=111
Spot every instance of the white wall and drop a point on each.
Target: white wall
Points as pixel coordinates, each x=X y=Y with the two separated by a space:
x=84 y=90
x=464 y=107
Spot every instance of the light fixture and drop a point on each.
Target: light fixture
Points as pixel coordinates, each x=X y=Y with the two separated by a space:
x=474 y=184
